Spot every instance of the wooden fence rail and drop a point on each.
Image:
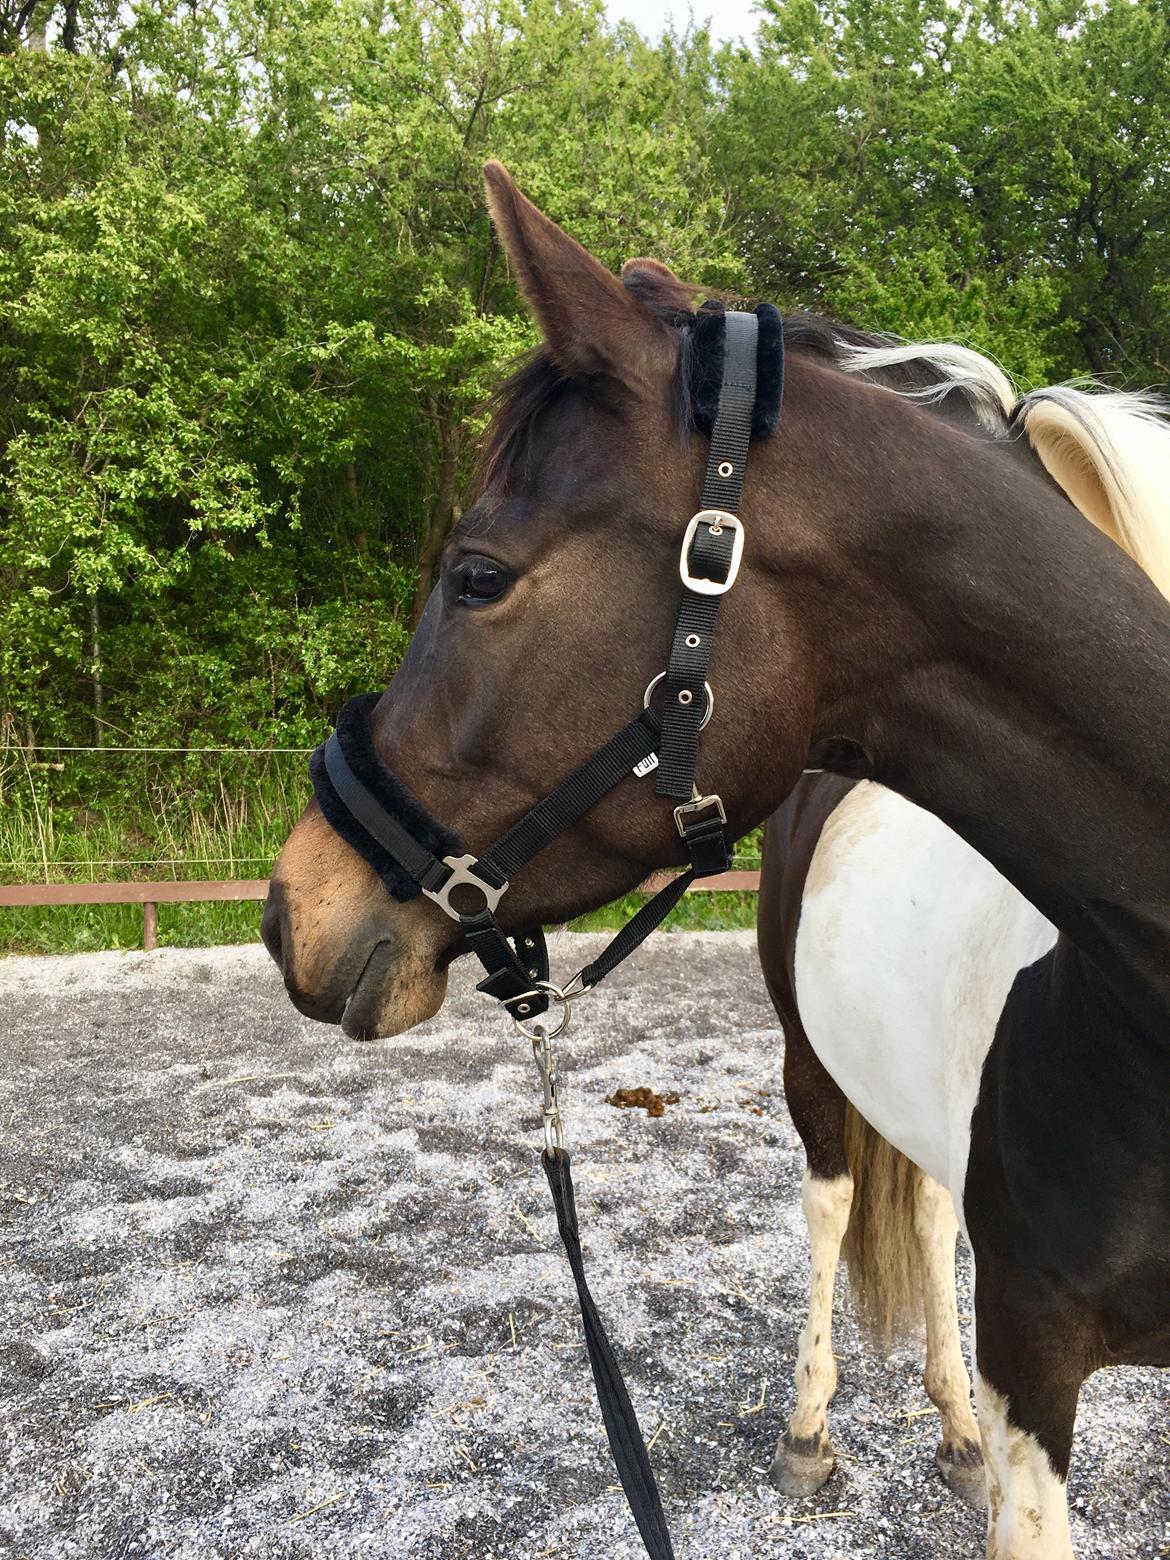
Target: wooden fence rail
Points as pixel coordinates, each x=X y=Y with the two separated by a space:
x=151 y=895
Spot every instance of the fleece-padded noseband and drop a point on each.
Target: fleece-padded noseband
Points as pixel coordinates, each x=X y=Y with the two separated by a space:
x=357 y=743
x=706 y=350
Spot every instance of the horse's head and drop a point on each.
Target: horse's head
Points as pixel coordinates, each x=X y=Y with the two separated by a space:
x=554 y=610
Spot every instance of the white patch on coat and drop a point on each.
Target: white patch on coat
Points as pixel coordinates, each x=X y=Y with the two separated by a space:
x=907 y=948
x=1027 y=1507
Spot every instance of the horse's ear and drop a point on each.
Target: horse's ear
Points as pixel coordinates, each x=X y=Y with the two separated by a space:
x=591 y=324
x=653 y=282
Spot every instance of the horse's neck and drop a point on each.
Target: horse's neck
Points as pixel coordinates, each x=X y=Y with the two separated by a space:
x=1039 y=729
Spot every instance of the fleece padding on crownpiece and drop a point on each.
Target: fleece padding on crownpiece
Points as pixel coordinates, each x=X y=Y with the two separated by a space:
x=357 y=743
x=706 y=367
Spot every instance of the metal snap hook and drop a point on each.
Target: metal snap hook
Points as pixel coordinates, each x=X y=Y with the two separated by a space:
x=542 y=1055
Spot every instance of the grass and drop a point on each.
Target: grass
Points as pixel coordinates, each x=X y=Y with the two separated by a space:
x=89 y=928
x=717 y=912
x=223 y=816
x=226 y=821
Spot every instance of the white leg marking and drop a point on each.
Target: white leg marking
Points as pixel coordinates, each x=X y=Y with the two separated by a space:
x=946 y=1380
x=804 y=1458
x=1027 y=1507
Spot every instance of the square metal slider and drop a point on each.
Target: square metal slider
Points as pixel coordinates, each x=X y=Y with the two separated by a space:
x=715 y=520
x=685 y=815
x=464 y=875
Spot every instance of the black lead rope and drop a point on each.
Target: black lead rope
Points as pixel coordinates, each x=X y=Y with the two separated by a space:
x=414 y=853
x=621 y=1422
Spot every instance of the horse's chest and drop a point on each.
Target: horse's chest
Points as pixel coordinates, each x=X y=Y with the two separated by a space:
x=1071 y=1169
x=907 y=948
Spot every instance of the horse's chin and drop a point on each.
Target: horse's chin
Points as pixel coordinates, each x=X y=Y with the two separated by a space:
x=349 y=954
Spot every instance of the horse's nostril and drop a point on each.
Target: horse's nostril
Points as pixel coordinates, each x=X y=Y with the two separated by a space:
x=272 y=927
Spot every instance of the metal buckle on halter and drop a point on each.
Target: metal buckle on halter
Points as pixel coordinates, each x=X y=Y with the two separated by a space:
x=697 y=804
x=463 y=873
x=717 y=521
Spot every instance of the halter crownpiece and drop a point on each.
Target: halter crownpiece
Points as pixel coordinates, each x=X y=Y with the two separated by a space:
x=735 y=366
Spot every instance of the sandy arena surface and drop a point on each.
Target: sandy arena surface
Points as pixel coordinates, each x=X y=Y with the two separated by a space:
x=267 y=1292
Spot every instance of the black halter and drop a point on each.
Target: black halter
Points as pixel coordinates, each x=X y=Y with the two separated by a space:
x=414 y=853
x=736 y=383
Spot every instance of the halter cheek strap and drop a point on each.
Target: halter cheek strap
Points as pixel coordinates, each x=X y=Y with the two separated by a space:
x=414 y=853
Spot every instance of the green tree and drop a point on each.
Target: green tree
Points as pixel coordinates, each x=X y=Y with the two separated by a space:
x=993 y=173
x=250 y=304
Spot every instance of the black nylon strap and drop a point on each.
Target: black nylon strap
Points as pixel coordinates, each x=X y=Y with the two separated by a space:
x=732 y=433
x=512 y=971
x=710 y=558
x=706 y=842
x=427 y=870
x=621 y=1423
x=573 y=798
x=637 y=929
x=686 y=671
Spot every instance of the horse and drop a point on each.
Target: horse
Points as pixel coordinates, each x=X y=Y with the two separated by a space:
x=863 y=892
x=923 y=607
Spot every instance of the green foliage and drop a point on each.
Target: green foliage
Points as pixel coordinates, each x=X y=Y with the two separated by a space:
x=987 y=172
x=251 y=304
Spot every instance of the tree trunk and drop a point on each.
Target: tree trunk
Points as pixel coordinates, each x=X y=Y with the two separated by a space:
x=444 y=506
x=69 y=29
x=95 y=641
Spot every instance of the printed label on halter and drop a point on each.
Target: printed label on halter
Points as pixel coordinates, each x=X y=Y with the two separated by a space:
x=647 y=765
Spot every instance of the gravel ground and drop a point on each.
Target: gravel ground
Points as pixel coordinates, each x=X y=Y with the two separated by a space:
x=271 y=1293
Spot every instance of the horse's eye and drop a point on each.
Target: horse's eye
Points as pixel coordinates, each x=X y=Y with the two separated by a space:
x=481 y=581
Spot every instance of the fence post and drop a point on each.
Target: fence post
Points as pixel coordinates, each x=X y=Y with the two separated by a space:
x=149 y=925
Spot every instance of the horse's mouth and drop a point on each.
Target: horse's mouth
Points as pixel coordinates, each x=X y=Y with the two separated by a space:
x=359 y=1017
x=394 y=992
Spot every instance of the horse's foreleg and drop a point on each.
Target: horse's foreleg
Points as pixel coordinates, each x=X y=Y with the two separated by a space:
x=804 y=1457
x=1032 y=1351
x=947 y=1384
x=1027 y=1507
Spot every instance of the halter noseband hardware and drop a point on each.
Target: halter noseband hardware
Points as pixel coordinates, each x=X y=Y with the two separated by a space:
x=414 y=853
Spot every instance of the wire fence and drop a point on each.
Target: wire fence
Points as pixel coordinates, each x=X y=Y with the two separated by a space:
x=60 y=822
x=58 y=747
x=82 y=812
x=146 y=861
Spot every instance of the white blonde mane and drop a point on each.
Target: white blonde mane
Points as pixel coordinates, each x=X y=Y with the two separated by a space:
x=985 y=385
x=1108 y=449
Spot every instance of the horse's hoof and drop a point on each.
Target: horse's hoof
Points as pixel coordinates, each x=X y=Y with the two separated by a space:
x=802 y=1464
x=961 y=1465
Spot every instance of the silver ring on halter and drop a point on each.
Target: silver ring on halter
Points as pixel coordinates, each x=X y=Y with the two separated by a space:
x=707 y=689
x=563 y=999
